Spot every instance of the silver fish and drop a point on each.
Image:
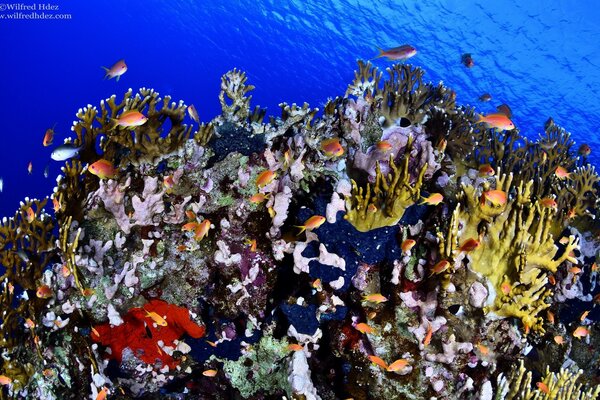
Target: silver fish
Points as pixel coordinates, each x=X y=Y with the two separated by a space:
x=64 y=152
x=47 y=171
x=1 y=185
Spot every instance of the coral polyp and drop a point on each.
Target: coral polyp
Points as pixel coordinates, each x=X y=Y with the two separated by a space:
x=388 y=246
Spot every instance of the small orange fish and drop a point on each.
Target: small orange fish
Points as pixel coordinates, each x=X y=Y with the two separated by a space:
x=252 y=243
x=407 y=245
x=190 y=214
x=87 y=292
x=210 y=373
x=581 y=332
x=552 y=280
x=131 y=119
x=11 y=288
x=384 y=146
x=30 y=167
x=433 y=200
x=118 y=69
x=571 y=213
x=190 y=226
x=155 y=317
x=29 y=214
x=48 y=373
x=258 y=198
x=44 y=292
x=594 y=267
x=496 y=197
x=469 y=245
x=102 y=393
x=575 y=270
x=584 y=315
x=264 y=178
x=402 y=53
x=561 y=173
x=29 y=323
x=364 y=328
x=332 y=147
x=378 y=361
x=294 y=347
x=193 y=113
x=375 y=298
x=317 y=284
x=65 y=271
x=56 y=205
x=441 y=146
x=168 y=182
x=544 y=158
x=505 y=288
x=182 y=247
x=548 y=202
x=543 y=387
x=428 y=335
x=585 y=150
x=483 y=349
x=499 y=121
x=558 y=339
x=550 y=316
x=372 y=208
x=103 y=169
x=312 y=223
x=95 y=332
x=563 y=240
x=48 y=137
x=202 y=230
x=440 y=267
x=486 y=170
x=5 y=380
x=212 y=344
x=397 y=365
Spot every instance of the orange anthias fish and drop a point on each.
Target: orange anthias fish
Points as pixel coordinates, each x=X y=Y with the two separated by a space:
x=131 y=119
x=550 y=316
x=29 y=214
x=202 y=230
x=155 y=317
x=548 y=202
x=258 y=198
x=498 y=121
x=543 y=387
x=190 y=226
x=558 y=339
x=384 y=146
x=440 y=267
x=168 y=182
x=118 y=69
x=378 y=361
x=5 y=380
x=469 y=245
x=55 y=205
x=428 y=335
x=407 y=245
x=44 y=292
x=561 y=173
x=30 y=167
x=102 y=393
x=210 y=373
x=584 y=315
x=332 y=147
x=397 y=365
x=294 y=347
x=486 y=170
x=264 y=178
x=364 y=328
x=433 y=200
x=581 y=332
x=312 y=223
x=585 y=150
x=193 y=113
x=48 y=137
x=403 y=52
x=252 y=243
x=375 y=298
x=103 y=169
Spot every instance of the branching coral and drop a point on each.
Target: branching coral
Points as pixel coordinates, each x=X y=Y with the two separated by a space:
x=384 y=203
x=554 y=386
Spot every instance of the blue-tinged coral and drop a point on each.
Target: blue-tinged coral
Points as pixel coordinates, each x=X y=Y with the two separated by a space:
x=257 y=255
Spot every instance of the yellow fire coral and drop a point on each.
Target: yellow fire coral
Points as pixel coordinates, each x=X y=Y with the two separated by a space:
x=384 y=204
x=517 y=248
x=553 y=386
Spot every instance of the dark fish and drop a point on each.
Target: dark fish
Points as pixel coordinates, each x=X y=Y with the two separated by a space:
x=485 y=97
x=47 y=171
x=505 y=109
x=467 y=60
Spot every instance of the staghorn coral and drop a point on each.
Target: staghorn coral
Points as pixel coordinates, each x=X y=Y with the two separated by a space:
x=561 y=386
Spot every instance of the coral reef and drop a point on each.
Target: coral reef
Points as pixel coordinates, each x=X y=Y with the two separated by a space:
x=388 y=246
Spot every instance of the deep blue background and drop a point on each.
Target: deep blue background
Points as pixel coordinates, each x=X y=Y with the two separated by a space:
x=540 y=57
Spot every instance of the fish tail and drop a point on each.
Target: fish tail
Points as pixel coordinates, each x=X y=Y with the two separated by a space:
x=302 y=229
x=106 y=70
x=112 y=124
x=381 y=51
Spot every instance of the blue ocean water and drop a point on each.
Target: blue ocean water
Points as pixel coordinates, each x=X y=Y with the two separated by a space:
x=540 y=57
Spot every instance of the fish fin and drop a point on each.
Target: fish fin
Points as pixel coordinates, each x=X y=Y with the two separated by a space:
x=112 y=124
x=118 y=76
x=302 y=229
x=381 y=51
x=106 y=70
